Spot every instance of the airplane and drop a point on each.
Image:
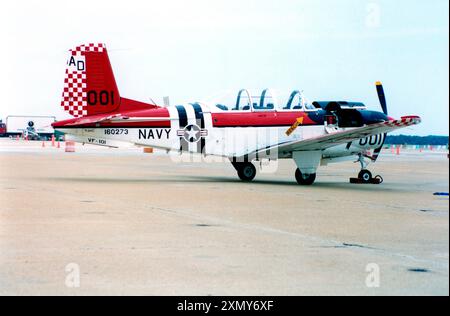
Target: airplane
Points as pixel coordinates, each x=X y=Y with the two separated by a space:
x=30 y=132
x=246 y=131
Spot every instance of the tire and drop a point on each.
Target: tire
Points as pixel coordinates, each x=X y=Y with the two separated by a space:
x=304 y=179
x=246 y=171
x=365 y=176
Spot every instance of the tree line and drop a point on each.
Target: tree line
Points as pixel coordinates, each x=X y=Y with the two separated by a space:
x=417 y=140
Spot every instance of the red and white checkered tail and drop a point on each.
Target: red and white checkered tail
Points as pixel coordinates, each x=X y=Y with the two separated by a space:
x=89 y=84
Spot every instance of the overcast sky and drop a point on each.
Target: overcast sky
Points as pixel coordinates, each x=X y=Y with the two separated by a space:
x=189 y=50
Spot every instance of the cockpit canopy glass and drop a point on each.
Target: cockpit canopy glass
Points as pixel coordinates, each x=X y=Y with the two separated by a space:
x=267 y=100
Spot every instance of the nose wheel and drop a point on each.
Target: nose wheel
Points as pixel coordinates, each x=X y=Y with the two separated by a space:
x=365 y=176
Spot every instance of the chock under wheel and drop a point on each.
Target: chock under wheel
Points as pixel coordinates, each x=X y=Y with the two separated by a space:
x=374 y=180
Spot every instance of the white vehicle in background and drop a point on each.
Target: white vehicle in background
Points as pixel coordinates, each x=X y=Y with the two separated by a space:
x=31 y=127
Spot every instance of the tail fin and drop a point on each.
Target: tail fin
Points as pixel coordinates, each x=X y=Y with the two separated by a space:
x=89 y=84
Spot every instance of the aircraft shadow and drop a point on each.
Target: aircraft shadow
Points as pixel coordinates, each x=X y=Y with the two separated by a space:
x=227 y=180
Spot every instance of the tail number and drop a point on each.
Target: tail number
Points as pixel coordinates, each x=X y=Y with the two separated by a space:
x=103 y=97
x=116 y=131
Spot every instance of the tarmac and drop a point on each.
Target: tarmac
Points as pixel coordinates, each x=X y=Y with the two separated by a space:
x=120 y=222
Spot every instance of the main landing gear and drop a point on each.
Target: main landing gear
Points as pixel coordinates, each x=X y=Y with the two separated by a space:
x=365 y=176
x=304 y=179
x=246 y=170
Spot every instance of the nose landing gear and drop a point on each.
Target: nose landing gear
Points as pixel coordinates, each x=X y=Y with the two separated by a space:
x=365 y=176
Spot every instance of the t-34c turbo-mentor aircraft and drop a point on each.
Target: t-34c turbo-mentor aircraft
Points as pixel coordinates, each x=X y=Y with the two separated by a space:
x=249 y=130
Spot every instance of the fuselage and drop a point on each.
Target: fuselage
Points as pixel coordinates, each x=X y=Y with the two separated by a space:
x=243 y=129
x=199 y=128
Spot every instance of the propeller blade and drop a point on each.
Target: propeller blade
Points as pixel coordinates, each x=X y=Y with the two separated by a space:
x=382 y=97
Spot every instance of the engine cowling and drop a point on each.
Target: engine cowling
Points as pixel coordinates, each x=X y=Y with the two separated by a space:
x=349 y=114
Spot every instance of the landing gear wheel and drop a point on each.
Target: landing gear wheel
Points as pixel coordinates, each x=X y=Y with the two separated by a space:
x=304 y=179
x=246 y=171
x=365 y=175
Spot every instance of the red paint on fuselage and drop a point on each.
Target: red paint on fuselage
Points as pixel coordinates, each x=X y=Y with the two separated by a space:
x=92 y=121
x=260 y=119
x=220 y=120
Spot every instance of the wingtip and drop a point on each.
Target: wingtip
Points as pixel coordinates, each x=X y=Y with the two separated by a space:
x=414 y=118
x=405 y=121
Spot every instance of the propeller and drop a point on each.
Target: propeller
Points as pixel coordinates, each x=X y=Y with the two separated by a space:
x=383 y=103
x=382 y=97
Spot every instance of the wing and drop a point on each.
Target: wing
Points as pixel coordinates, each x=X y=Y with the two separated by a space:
x=112 y=119
x=330 y=140
x=117 y=119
